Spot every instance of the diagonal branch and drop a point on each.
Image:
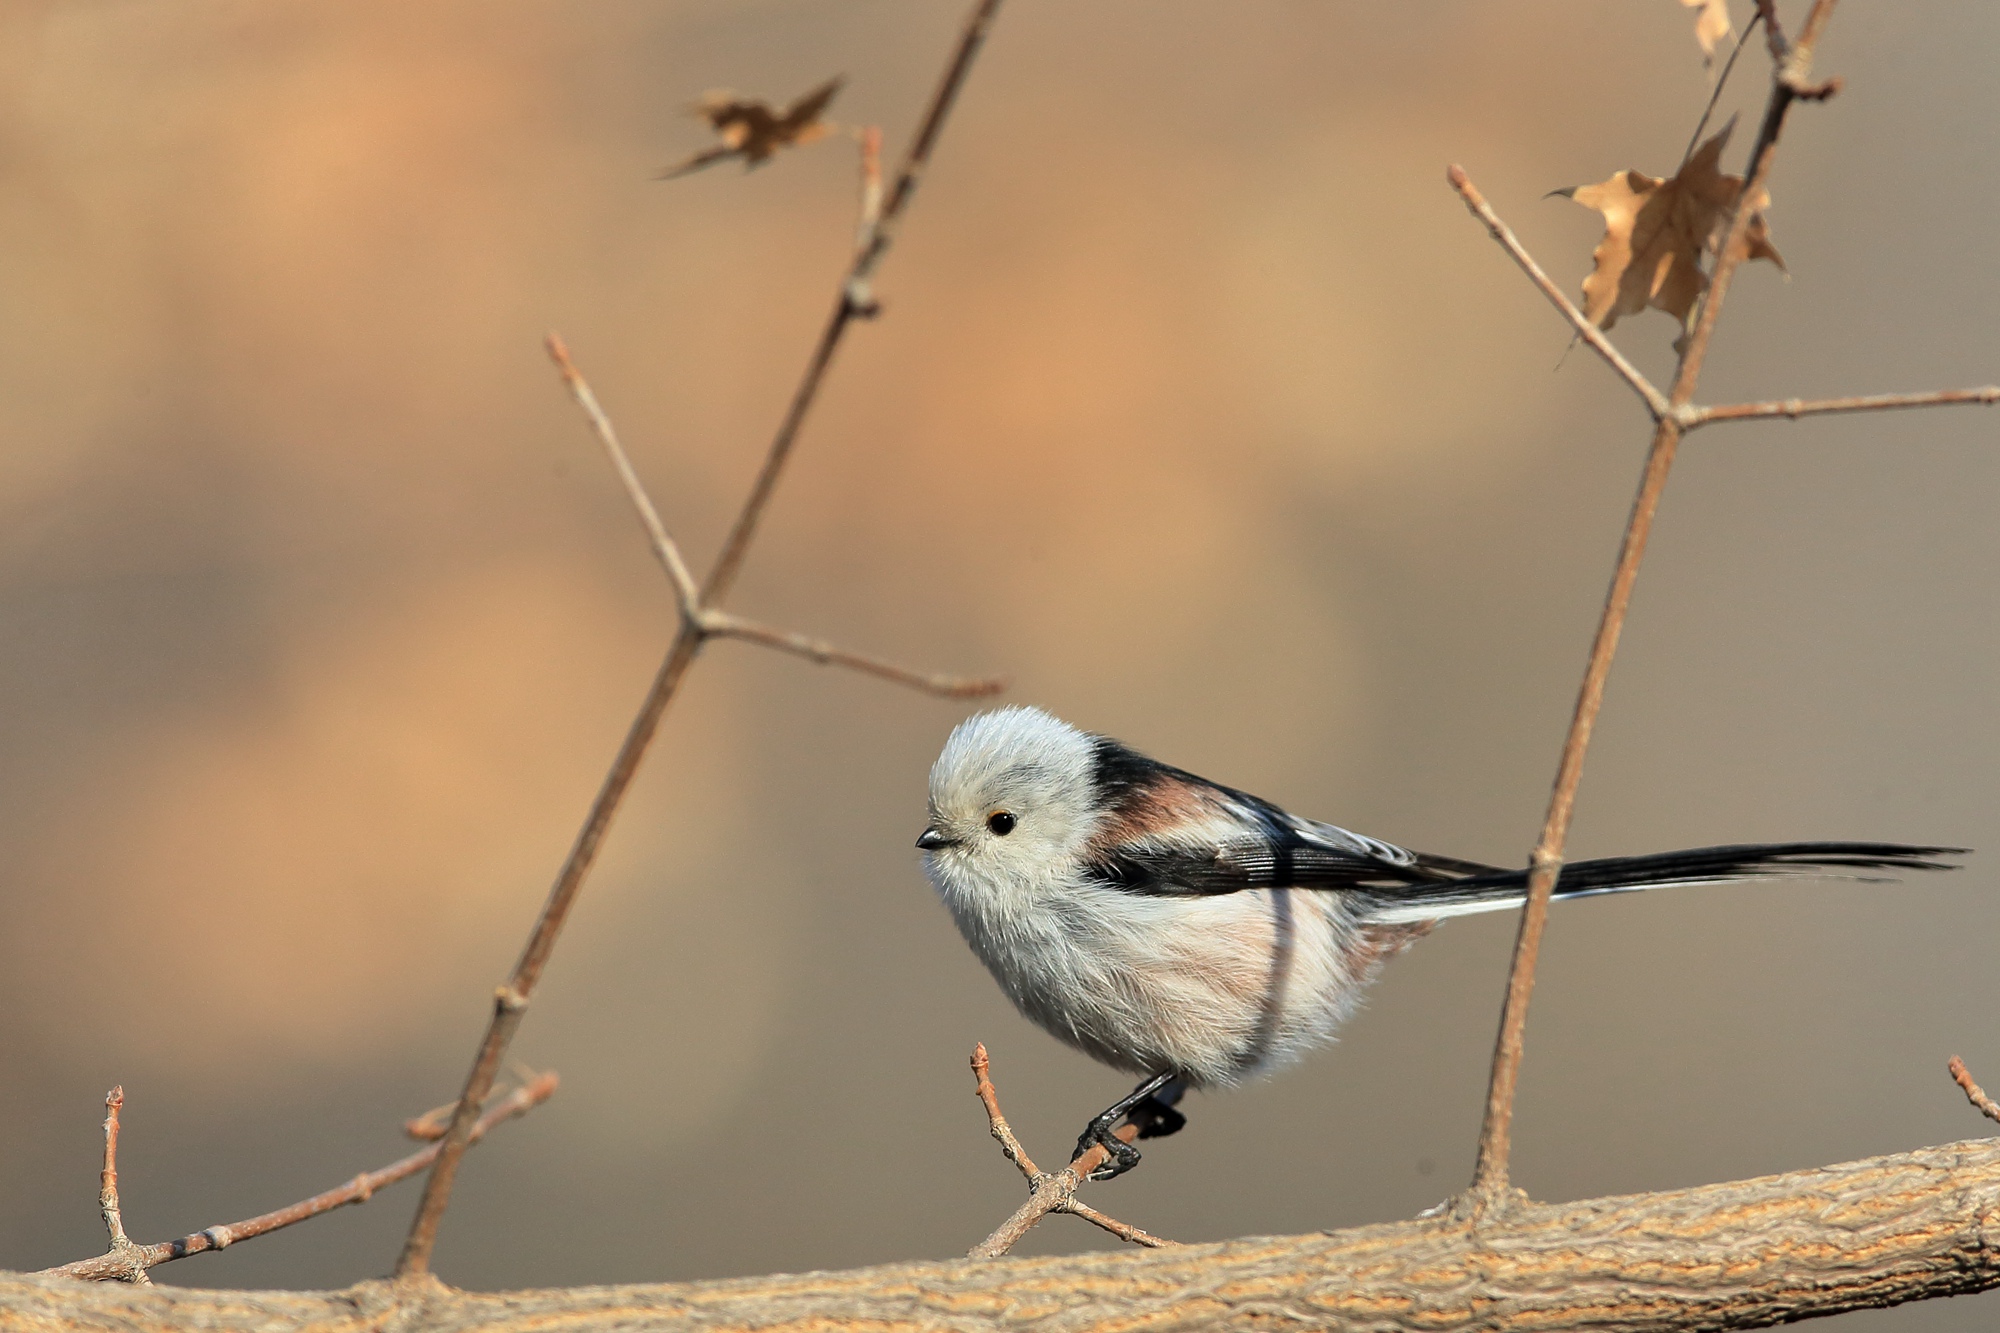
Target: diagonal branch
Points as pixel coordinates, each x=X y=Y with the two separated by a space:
x=1048 y=1192
x=1656 y=402
x=712 y=624
x=1794 y=408
x=1975 y=1094
x=722 y=625
x=128 y=1262
x=1489 y=1188
x=686 y=593
x=856 y=299
x=511 y=1000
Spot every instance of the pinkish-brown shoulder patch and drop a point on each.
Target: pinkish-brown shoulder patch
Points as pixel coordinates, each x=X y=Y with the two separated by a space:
x=1165 y=802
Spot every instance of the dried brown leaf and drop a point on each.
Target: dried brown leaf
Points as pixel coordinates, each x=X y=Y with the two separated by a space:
x=1657 y=233
x=755 y=130
x=1711 y=25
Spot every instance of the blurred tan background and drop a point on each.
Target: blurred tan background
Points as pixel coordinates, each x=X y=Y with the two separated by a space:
x=1200 y=408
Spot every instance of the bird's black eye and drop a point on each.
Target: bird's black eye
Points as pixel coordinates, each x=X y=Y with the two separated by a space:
x=1001 y=822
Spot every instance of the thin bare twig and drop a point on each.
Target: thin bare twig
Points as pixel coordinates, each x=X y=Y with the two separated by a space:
x=511 y=1000
x=1123 y=1230
x=1489 y=1189
x=1973 y=1092
x=127 y=1262
x=1794 y=408
x=856 y=299
x=1003 y=1133
x=710 y=624
x=1048 y=1192
x=1722 y=81
x=664 y=547
x=121 y=1251
x=722 y=625
x=871 y=187
x=1656 y=402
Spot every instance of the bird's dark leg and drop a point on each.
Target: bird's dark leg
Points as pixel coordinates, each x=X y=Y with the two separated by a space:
x=1123 y=1155
x=1156 y=1116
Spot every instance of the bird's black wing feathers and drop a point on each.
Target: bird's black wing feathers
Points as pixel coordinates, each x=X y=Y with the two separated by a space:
x=1157 y=847
x=1262 y=846
x=1170 y=870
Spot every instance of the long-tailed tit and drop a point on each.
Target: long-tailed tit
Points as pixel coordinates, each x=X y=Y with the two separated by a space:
x=1196 y=935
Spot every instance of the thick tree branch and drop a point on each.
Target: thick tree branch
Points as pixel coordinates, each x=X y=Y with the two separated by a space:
x=511 y=999
x=1489 y=1188
x=1744 y=1254
x=128 y=1262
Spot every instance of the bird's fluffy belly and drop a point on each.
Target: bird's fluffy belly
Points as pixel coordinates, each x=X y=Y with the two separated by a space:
x=1216 y=989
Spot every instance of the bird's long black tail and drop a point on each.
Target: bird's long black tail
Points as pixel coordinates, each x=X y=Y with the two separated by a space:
x=1498 y=890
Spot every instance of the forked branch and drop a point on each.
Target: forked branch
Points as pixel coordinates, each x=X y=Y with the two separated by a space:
x=511 y=1000
x=1048 y=1192
x=710 y=623
x=1690 y=416
x=1489 y=1188
x=126 y=1261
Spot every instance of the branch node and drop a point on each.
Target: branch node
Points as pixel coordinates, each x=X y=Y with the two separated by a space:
x=859 y=295
x=509 y=999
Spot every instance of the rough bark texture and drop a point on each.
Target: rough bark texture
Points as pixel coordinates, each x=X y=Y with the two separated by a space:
x=1744 y=1254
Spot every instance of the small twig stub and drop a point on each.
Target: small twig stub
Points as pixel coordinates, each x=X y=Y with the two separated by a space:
x=1973 y=1092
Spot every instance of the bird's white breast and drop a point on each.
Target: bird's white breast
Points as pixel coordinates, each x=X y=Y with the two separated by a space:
x=1218 y=988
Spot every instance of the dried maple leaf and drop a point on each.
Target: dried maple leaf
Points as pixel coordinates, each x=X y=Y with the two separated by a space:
x=1711 y=25
x=754 y=130
x=1656 y=233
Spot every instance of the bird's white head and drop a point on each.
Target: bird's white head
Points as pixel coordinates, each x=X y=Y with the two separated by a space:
x=1012 y=801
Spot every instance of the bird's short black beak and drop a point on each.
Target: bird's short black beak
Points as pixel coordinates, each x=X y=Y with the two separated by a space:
x=930 y=840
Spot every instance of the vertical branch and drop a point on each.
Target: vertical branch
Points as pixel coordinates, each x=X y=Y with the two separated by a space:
x=510 y=1001
x=129 y=1265
x=870 y=212
x=107 y=1179
x=1489 y=1180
